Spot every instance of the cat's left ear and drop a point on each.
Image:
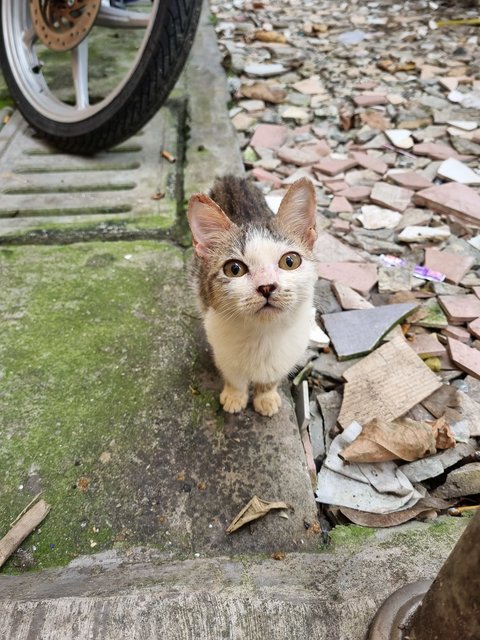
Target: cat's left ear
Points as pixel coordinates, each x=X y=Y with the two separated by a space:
x=297 y=212
x=207 y=222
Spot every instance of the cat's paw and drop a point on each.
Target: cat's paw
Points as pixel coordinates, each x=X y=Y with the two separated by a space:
x=267 y=403
x=233 y=400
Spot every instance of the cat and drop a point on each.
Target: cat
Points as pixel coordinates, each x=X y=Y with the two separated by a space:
x=254 y=275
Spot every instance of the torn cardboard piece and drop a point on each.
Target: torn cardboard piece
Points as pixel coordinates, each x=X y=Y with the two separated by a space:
x=387 y=383
x=375 y=488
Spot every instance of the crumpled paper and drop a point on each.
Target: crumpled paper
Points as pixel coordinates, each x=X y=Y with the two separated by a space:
x=374 y=487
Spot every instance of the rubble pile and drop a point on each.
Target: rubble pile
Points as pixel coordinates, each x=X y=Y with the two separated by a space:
x=378 y=103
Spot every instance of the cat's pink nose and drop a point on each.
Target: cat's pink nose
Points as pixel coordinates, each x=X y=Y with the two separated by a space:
x=266 y=290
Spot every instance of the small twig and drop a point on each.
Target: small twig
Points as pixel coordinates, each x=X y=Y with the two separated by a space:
x=30 y=504
x=27 y=521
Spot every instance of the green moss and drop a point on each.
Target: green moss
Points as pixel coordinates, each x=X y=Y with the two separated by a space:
x=426 y=535
x=350 y=535
x=77 y=350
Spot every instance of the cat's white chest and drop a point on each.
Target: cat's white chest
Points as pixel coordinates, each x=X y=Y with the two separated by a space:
x=264 y=353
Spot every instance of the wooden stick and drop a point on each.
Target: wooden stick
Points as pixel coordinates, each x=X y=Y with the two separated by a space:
x=22 y=528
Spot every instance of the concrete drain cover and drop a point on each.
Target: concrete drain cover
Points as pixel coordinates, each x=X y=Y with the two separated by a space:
x=132 y=184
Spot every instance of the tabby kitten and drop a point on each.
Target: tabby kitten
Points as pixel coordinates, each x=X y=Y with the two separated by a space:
x=254 y=275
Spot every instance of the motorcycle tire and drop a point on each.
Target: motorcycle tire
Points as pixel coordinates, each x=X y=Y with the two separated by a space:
x=79 y=125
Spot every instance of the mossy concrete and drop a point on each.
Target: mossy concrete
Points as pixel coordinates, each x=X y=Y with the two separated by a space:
x=109 y=405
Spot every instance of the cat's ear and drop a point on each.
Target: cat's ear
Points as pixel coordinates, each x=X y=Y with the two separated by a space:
x=297 y=212
x=207 y=222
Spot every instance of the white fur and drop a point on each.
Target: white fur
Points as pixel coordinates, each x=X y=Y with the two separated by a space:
x=256 y=345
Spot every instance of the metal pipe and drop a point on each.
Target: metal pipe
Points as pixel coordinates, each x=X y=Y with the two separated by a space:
x=450 y=609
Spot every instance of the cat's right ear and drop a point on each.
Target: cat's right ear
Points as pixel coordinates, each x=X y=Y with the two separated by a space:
x=207 y=222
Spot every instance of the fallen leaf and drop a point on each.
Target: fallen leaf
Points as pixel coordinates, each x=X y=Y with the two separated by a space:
x=262 y=91
x=381 y=440
x=393 y=67
x=254 y=509
x=444 y=437
x=279 y=555
x=269 y=36
x=365 y=519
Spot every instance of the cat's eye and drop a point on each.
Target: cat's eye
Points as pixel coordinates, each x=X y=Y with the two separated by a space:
x=235 y=269
x=290 y=261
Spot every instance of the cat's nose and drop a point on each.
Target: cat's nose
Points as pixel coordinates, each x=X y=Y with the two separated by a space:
x=266 y=290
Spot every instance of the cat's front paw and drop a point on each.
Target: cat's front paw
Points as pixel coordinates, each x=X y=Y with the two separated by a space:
x=233 y=400
x=268 y=403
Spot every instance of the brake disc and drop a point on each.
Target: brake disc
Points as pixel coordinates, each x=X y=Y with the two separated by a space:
x=62 y=24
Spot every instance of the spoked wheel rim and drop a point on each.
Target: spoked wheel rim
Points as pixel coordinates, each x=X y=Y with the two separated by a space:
x=47 y=46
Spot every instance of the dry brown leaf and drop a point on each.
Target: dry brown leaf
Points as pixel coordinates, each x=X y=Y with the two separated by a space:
x=365 y=519
x=269 y=36
x=254 y=509
x=444 y=438
x=262 y=91
x=402 y=439
x=375 y=120
x=393 y=67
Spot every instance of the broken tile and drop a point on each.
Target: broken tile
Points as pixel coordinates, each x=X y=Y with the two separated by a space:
x=355 y=194
x=460 y=309
x=360 y=276
x=340 y=205
x=394 y=279
x=465 y=357
x=424 y=234
x=390 y=196
x=243 y=122
x=333 y=166
x=457 y=171
x=400 y=138
x=457 y=333
x=348 y=298
x=430 y=315
x=370 y=162
x=308 y=154
x=387 y=383
x=310 y=86
x=265 y=176
x=409 y=179
x=329 y=249
x=349 y=341
x=427 y=345
x=435 y=150
x=370 y=99
x=474 y=327
x=374 y=217
x=452 y=265
x=298 y=114
x=271 y=136
x=264 y=70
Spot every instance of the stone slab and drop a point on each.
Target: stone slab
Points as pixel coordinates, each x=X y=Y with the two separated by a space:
x=427 y=345
x=145 y=594
x=360 y=276
x=452 y=265
x=460 y=308
x=465 y=357
x=454 y=199
x=357 y=332
x=391 y=196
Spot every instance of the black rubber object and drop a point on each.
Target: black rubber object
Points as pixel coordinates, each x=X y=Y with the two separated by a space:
x=164 y=57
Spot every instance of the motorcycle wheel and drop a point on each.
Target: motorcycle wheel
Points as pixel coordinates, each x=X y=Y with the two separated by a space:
x=88 y=93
